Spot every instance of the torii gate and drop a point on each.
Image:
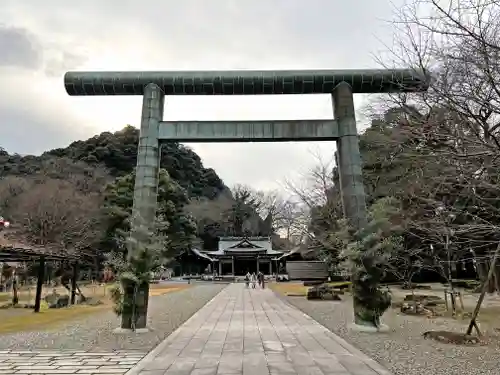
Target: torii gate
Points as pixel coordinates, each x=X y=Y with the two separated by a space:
x=155 y=86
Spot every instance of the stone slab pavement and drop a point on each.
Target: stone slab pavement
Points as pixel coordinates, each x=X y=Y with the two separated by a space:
x=253 y=332
x=53 y=362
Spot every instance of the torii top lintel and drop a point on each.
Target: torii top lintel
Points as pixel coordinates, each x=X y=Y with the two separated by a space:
x=245 y=82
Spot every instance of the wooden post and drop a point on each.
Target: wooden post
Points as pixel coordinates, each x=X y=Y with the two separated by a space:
x=39 y=283
x=486 y=283
x=73 y=282
x=461 y=301
x=453 y=303
x=277 y=271
x=15 y=289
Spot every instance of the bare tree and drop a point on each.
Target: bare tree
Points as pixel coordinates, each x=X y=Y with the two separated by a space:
x=289 y=222
x=459 y=43
x=84 y=177
x=279 y=212
x=209 y=210
x=317 y=209
x=314 y=187
x=223 y=215
x=54 y=214
x=455 y=125
x=10 y=188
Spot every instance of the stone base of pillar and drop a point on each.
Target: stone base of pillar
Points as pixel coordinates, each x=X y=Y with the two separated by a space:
x=368 y=329
x=128 y=331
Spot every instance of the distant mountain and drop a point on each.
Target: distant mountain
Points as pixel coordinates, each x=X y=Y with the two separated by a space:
x=117 y=152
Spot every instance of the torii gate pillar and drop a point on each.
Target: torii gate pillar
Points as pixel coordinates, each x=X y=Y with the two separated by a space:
x=349 y=159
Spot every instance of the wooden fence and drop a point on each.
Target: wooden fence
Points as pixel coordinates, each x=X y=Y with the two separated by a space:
x=307 y=270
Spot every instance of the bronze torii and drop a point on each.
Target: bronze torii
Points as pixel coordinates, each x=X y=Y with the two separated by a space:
x=155 y=86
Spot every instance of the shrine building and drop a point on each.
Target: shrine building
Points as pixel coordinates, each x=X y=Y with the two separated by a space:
x=235 y=256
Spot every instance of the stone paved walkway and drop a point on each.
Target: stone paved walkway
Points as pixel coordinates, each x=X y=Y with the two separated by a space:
x=253 y=332
x=15 y=362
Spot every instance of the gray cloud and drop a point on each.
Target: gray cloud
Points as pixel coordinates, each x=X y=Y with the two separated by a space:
x=29 y=132
x=171 y=34
x=31 y=123
x=19 y=48
x=261 y=165
x=60 y=61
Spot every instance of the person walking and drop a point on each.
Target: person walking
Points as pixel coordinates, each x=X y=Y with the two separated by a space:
x=261 y=280
x=247 y=279
x=253 y=279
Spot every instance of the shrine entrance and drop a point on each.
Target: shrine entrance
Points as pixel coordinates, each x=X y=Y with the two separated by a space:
x=242 y=266
x=156 y=86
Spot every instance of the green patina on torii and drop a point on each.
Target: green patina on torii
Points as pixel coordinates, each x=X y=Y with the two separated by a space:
x=155 y=86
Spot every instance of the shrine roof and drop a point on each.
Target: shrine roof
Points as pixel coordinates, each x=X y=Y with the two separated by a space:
x=15 y=251
x=226 y=243
x=222 y=252
x=259 y=245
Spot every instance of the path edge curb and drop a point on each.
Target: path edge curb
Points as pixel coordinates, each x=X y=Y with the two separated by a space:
x=370 y=362
x=148 y=358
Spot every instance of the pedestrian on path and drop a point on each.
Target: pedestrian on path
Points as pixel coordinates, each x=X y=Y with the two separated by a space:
x=253 y=279
x=261 y=280
x=247 y=279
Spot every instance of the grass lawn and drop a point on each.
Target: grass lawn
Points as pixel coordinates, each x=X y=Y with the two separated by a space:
x=158 y=289
x=45 y=319
x=27 y=294
x=297 y=288
x=20 y=319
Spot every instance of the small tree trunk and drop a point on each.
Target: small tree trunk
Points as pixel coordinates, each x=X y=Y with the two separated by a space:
x=482 y=267
x=414 y=300
x=2 y=286
x=496 y=276
x=481 y=273
x=450 y=276
x=483 y=291
x=412 y=289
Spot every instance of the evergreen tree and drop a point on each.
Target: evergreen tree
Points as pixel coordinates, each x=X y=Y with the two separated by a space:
x=177 y=228
x=367 y=258
x=131 y=295
x=135 y=256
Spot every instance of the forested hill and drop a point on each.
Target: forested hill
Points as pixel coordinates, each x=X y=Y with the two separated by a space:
x=117 y=152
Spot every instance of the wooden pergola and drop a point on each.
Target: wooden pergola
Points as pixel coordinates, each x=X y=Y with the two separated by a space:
x=21 y=253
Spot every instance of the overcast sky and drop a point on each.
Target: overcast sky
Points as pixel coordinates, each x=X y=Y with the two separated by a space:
x=40 y=40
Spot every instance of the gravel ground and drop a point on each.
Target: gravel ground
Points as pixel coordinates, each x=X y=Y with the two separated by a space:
x=403 y=350
x=94 y=333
